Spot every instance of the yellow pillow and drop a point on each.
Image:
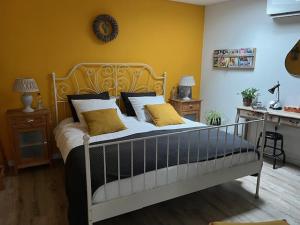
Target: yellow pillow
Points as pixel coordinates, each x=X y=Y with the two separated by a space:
x=163 y=114
x=103 y=121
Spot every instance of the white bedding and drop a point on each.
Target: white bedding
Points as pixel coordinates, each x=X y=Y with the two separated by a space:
x=69 y=135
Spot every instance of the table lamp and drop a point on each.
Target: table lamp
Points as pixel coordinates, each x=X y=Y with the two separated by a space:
x=26 y=86
x=276 y=103
x=186 y=83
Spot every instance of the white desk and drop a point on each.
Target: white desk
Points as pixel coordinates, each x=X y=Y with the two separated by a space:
x=275 y=116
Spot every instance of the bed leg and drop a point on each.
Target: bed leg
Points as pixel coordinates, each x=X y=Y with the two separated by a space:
x=89 y=219
x=257 y=186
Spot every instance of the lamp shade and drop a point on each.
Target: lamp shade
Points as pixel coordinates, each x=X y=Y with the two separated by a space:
x=25 y=85
x=187 y=81
x=272 y=90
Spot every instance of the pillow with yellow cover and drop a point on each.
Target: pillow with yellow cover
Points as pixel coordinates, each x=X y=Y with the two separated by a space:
x=103 y=121
x=163 y=114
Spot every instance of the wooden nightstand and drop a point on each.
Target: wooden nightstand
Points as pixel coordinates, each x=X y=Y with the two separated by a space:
x=30 y=134
x=189 y=109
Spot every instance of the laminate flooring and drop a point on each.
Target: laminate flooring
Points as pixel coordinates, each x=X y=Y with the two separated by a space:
x=37 y=197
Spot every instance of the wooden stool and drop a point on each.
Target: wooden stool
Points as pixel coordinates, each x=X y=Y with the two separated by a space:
x=277 y=152
x=277 y=222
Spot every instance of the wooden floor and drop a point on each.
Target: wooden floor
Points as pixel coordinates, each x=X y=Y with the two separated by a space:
x=36 y=196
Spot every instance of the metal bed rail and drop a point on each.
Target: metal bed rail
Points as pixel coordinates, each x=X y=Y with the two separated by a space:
x=235 y=129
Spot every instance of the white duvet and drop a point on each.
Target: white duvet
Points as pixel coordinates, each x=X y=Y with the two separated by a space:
x=69 y=135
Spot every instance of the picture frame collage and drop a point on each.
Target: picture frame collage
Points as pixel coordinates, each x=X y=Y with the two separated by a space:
x=243 y=58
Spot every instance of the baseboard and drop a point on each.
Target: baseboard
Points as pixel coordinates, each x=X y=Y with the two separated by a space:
x=295 y=160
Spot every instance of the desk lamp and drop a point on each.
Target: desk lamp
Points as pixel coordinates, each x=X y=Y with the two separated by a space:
x=275 y=104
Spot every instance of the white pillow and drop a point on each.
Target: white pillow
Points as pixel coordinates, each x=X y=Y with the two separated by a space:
x=94 y=104
x=138 y=104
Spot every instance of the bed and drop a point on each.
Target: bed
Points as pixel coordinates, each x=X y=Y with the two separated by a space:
x=112 y=174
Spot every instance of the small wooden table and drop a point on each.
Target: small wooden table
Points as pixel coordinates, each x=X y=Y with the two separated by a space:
x=30 y=134
x=189 y=109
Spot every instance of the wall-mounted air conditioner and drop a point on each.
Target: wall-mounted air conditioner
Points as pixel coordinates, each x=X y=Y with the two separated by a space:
x=282 y=8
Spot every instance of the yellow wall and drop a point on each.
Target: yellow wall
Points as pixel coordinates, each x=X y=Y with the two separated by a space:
x=38 y=37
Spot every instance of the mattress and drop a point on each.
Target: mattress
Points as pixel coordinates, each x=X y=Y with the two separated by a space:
x=168 y=175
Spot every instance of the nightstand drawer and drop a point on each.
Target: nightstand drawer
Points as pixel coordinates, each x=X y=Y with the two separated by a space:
x=29 y=122
x=189 y=109
x=190 y=106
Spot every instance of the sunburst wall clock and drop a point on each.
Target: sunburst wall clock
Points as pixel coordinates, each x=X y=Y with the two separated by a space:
x=105 y=27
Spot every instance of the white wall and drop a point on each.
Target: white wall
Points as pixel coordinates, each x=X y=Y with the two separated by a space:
x=244 y=23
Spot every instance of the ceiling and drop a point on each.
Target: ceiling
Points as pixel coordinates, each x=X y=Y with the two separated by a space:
x=200 y=2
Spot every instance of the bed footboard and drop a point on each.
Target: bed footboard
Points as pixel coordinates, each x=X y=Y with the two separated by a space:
x=221 y=154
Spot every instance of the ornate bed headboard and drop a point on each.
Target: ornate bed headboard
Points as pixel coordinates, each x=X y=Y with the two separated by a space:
x=99 y=77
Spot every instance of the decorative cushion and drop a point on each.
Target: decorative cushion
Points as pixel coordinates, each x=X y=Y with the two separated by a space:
x=277 y=222
x=125 y=97
x=103 y=121
x=94 y=104
x=103 y=95
x=138 y=104
x=163 y=114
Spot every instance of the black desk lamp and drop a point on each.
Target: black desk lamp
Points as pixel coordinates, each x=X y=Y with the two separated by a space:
x=276 y=103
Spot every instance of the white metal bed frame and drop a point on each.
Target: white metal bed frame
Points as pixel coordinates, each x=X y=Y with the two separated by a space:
x=137 y=200
x=100 y=77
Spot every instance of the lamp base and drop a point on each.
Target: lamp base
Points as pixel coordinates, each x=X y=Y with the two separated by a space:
x=275 y=105
x=186 y=99
x=28 y=109
x=27 y=101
